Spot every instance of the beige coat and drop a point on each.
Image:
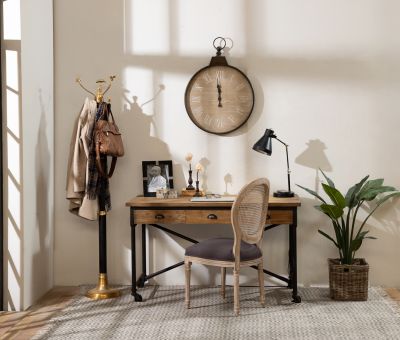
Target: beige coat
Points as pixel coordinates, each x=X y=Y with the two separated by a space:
x=77 y=171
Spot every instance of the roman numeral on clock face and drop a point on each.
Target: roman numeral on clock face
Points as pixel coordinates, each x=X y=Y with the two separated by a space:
x=207 y=77
x=240 y=86
x=219 y=98
x=219 y=74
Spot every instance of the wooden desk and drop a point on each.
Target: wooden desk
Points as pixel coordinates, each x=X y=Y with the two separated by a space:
x=150 y=211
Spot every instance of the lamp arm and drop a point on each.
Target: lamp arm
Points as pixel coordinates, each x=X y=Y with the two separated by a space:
x=280 y=141
x=287 y=161
x=288 y=168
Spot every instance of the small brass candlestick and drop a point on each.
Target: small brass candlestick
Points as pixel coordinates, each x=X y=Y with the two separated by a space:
x=199 y=168
x=190 y=181
x=188 y=158
x=197 y=194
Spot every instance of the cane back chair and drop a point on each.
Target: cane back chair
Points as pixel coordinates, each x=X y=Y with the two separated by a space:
x=248 y=218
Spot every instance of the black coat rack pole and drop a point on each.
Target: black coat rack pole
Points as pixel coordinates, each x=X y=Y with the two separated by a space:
x=102 y=291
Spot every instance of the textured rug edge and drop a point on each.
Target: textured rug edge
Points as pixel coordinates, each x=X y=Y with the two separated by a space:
x=388 y=300
x=392 y=303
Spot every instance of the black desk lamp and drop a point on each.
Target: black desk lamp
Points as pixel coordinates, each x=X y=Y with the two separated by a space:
x=264 y=145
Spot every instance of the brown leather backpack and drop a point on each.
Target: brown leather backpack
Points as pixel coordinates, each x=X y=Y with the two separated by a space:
x=108 y=141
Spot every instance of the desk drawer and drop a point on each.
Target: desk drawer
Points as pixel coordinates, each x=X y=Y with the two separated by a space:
x=279 y=216
x=159 y=216
x=208 y=217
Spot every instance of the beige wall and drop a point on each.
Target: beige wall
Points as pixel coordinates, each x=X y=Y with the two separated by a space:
x=326 y=78
x=37 y=147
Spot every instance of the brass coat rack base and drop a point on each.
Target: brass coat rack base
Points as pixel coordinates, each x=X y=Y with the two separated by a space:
x=102 y=291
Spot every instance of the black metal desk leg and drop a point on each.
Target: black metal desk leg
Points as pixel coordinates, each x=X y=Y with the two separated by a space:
x=293 y=258
x=142 y=279
x=134 y=293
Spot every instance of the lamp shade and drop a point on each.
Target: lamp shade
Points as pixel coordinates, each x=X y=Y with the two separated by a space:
x=264 y=144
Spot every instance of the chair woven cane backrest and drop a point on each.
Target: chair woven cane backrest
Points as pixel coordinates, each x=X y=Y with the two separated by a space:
x=249 y=211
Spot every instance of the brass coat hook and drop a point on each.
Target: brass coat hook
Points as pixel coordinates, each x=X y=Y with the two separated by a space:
x=100 y=92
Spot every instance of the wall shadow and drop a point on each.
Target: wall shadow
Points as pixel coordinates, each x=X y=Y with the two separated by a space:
x=42 y=258
x=314 y=157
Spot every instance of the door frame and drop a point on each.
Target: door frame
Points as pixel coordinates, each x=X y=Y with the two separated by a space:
x=1 y=167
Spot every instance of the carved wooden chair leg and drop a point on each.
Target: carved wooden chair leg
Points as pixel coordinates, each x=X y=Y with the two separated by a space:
x=187 y=283
x=236 y=296
x=261 y=283
x=223 y=280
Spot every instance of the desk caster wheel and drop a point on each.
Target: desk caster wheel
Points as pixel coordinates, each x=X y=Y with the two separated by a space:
x=296 y=299
x=138 y=297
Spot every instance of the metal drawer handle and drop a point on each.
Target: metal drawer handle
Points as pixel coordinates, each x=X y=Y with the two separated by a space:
x=212 y=217
x=159 y=217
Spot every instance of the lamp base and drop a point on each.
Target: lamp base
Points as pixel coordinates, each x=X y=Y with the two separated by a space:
x=283 y=193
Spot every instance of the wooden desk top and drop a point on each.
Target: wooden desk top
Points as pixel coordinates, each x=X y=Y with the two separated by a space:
x=185 y=202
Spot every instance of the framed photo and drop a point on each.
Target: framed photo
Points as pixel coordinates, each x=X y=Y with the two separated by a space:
x=157 y=175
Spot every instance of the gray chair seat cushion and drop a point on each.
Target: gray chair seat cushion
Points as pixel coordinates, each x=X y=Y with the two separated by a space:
x=220 y=249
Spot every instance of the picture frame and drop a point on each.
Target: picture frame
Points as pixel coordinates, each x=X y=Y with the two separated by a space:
x=156 y=175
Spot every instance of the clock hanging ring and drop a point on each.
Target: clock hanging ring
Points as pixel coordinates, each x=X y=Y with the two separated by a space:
x=219 y=98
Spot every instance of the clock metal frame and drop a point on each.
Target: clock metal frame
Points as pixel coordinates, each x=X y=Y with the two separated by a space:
x=216 y=61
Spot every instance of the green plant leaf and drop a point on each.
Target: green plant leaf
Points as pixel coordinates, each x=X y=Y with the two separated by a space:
x=330 y=182
x=371 y=194
x=371 y=184
x=339 y=234
x=371 y=237
x=328 y=237
x=312 y=193
x=378 y=204
x=385 y=198
x=356 y=244
x=353 y=191
x=335 y=196
x=333 y=211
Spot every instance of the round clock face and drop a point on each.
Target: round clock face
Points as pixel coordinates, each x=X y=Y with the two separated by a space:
x=219 y=99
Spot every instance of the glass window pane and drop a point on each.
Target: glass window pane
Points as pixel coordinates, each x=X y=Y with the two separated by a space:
x=12 y=20
x=12 y=69
x=12 y=108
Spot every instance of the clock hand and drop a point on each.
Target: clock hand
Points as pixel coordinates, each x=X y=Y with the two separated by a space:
x=219 y=88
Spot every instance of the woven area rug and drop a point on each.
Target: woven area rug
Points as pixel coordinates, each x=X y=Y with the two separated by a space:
x=163 y=316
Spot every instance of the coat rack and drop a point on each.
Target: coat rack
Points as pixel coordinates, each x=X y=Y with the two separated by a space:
x=102 y=291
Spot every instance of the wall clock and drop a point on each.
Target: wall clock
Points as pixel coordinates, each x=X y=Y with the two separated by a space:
x=219 y=97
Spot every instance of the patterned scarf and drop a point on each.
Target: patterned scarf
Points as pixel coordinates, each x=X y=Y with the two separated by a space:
x=96 y=184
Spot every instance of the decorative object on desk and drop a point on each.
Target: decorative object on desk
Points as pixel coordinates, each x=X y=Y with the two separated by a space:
x=199 y=168
x=219 y=98
x=157 y=175
x=172 y=194
x=164 y=193
x=348 y=276
x=190 y=193
x=188 y=158
x=264 y=146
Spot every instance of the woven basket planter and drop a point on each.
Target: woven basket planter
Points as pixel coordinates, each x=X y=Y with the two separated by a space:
x=348 y=282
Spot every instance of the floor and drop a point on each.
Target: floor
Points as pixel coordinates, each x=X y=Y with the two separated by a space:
x=24 y=325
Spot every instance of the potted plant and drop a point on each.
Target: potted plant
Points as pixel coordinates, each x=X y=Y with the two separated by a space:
x=348 y=275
